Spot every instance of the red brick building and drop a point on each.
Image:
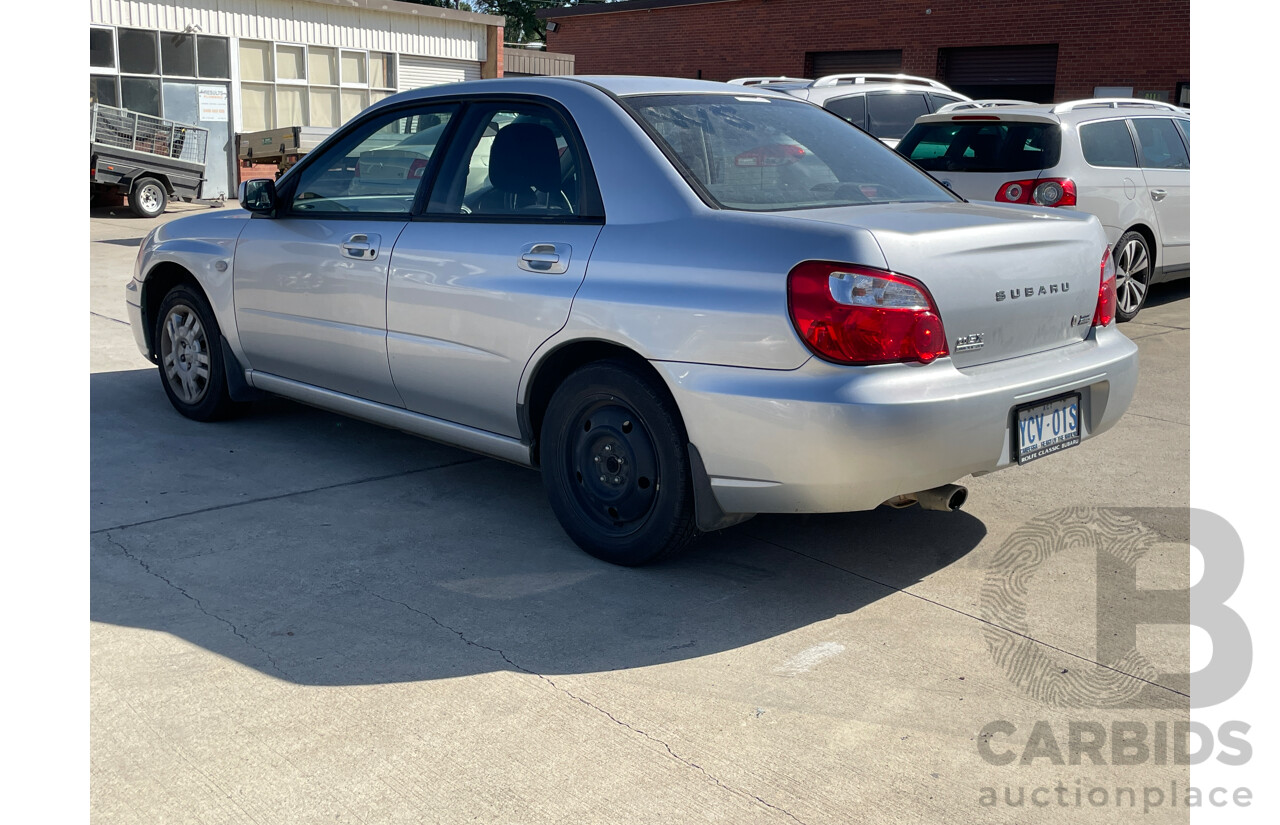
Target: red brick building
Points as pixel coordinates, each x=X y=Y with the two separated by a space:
x=1047 y=51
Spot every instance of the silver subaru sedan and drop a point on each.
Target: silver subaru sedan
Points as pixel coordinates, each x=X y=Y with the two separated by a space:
x=684 y=302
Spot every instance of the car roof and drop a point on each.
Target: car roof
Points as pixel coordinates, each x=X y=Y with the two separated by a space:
x=1071 y=112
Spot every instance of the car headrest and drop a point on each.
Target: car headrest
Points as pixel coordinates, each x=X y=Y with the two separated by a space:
x=524 y=156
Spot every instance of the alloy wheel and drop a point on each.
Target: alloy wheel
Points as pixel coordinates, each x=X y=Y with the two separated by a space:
x=184 y=354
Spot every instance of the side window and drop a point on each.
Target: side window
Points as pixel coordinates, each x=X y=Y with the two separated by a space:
x=1186 y=133
x=1161 y=144
x=1108 y=143
x=375 y=170
x=937 y=101
x=891 y=114
x=852 y=109
x=513 y=159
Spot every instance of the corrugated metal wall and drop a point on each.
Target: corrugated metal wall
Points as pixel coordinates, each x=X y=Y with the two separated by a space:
x=296 y=21
x=416 y=72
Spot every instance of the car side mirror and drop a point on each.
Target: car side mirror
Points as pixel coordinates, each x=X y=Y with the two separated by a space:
x=258 y=195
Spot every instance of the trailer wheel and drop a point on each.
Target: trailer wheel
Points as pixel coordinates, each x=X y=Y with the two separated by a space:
x=148 y=198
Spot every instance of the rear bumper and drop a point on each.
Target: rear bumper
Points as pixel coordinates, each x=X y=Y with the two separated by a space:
x=824 y=438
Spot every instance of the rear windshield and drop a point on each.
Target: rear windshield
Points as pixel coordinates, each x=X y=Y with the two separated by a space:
x=985 y=146
x=766 y=154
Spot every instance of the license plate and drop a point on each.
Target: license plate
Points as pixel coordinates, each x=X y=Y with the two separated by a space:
x=1046 y=427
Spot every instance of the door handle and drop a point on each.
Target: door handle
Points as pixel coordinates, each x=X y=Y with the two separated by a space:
x=1158 y=194
x=361 y=246
x=545 y=258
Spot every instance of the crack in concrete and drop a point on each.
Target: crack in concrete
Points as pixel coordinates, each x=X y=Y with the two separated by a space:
x=338 y=485
x=1154 y=418
x=235 y=630
x=682 y=760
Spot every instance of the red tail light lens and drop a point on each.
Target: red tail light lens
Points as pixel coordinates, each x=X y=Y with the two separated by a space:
x=1039 y=191
x=1105 y=312
x=417 y=169
x=858 y=315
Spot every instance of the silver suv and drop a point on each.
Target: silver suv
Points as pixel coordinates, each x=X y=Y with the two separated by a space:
x=1128 y=161
x=883 y=104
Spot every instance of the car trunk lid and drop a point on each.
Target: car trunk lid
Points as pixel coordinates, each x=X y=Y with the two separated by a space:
x=1007 y=281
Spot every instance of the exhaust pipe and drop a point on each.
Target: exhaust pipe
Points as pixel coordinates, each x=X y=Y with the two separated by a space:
x=946 y=497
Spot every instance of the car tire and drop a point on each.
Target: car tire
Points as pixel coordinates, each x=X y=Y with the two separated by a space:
x=1135 y=264
x=188 y=347
x=615 y=465
x=148 y=198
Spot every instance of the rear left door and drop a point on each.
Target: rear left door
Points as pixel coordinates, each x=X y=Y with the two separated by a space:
x=1166 y=168
x=490 y=271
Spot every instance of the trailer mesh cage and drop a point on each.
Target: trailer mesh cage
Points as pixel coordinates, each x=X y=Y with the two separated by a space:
x=123 y=129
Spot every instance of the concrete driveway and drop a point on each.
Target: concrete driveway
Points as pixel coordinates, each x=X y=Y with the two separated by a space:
x=297 y=617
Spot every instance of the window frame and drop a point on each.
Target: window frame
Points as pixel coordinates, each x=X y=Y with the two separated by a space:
x=348 y=137
x=480 y=108
x=1137 y=143
x=1133 y=140
x=114 y=68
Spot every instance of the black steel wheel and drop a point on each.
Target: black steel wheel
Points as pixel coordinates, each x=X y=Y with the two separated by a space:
x=615 y=465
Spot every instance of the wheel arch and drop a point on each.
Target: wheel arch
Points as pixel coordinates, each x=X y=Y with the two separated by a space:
x=162 y=278
x=1149 y=235
x=554 y=366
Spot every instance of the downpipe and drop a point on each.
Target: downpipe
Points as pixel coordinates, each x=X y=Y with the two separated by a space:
x=944 y=498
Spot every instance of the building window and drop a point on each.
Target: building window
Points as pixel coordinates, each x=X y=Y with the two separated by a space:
x=178 y=55
x=102 y=89
x=138 y=51
x=214 y=56
x=288 y=84
x=141 y=94
x=102 y=48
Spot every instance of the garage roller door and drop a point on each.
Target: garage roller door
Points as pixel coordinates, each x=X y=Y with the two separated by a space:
x=416 y=72
x=1026 y=72
x=884 y=60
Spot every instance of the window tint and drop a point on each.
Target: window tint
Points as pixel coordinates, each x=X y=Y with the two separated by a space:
x=990 y=146
x=102 y=48
x=1186 y=132
x=1108 y=143
x=852 y=109
x=937 y=101
x=890 y=115
x=517 y=160
x=375 y=170
x=178 y=54
x=1161 y=144
x=764 y=153
x=138 y=51
x=140 y=94
x=102 y=90
x=213 y=56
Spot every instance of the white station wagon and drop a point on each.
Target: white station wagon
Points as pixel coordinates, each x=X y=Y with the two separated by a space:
x=684 y=302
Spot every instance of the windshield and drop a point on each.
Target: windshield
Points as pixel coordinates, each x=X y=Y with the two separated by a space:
x=984 y=146
x=765 y=154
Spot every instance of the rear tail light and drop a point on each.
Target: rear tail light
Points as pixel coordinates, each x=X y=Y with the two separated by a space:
x=1105 y=312
x=858 y=315
x=417 y=169
x=1039 y=191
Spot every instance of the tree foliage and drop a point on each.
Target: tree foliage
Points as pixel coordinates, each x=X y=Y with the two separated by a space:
x=523 y=25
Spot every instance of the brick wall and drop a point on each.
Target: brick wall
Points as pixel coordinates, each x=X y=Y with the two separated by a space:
x=1101 y=42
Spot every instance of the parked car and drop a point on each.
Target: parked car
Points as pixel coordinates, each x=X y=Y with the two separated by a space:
x=683 y=302
x=1126 y=161
x=886 y=105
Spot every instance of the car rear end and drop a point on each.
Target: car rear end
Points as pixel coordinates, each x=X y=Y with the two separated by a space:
x=942 y=338
x=1008 y=155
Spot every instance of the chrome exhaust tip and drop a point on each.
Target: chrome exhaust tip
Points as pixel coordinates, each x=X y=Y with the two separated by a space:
x=946 y=497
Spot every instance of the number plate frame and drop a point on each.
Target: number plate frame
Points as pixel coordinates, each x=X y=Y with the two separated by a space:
x=1027 y=413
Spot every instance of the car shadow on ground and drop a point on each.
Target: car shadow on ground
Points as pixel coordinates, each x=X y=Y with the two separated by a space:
x=324 y=551
x=1168 y=293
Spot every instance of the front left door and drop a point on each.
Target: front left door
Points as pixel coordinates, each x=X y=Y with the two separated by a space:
x=311 y=282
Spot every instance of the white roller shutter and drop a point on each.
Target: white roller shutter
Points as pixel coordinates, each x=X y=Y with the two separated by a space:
x=416 y=72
